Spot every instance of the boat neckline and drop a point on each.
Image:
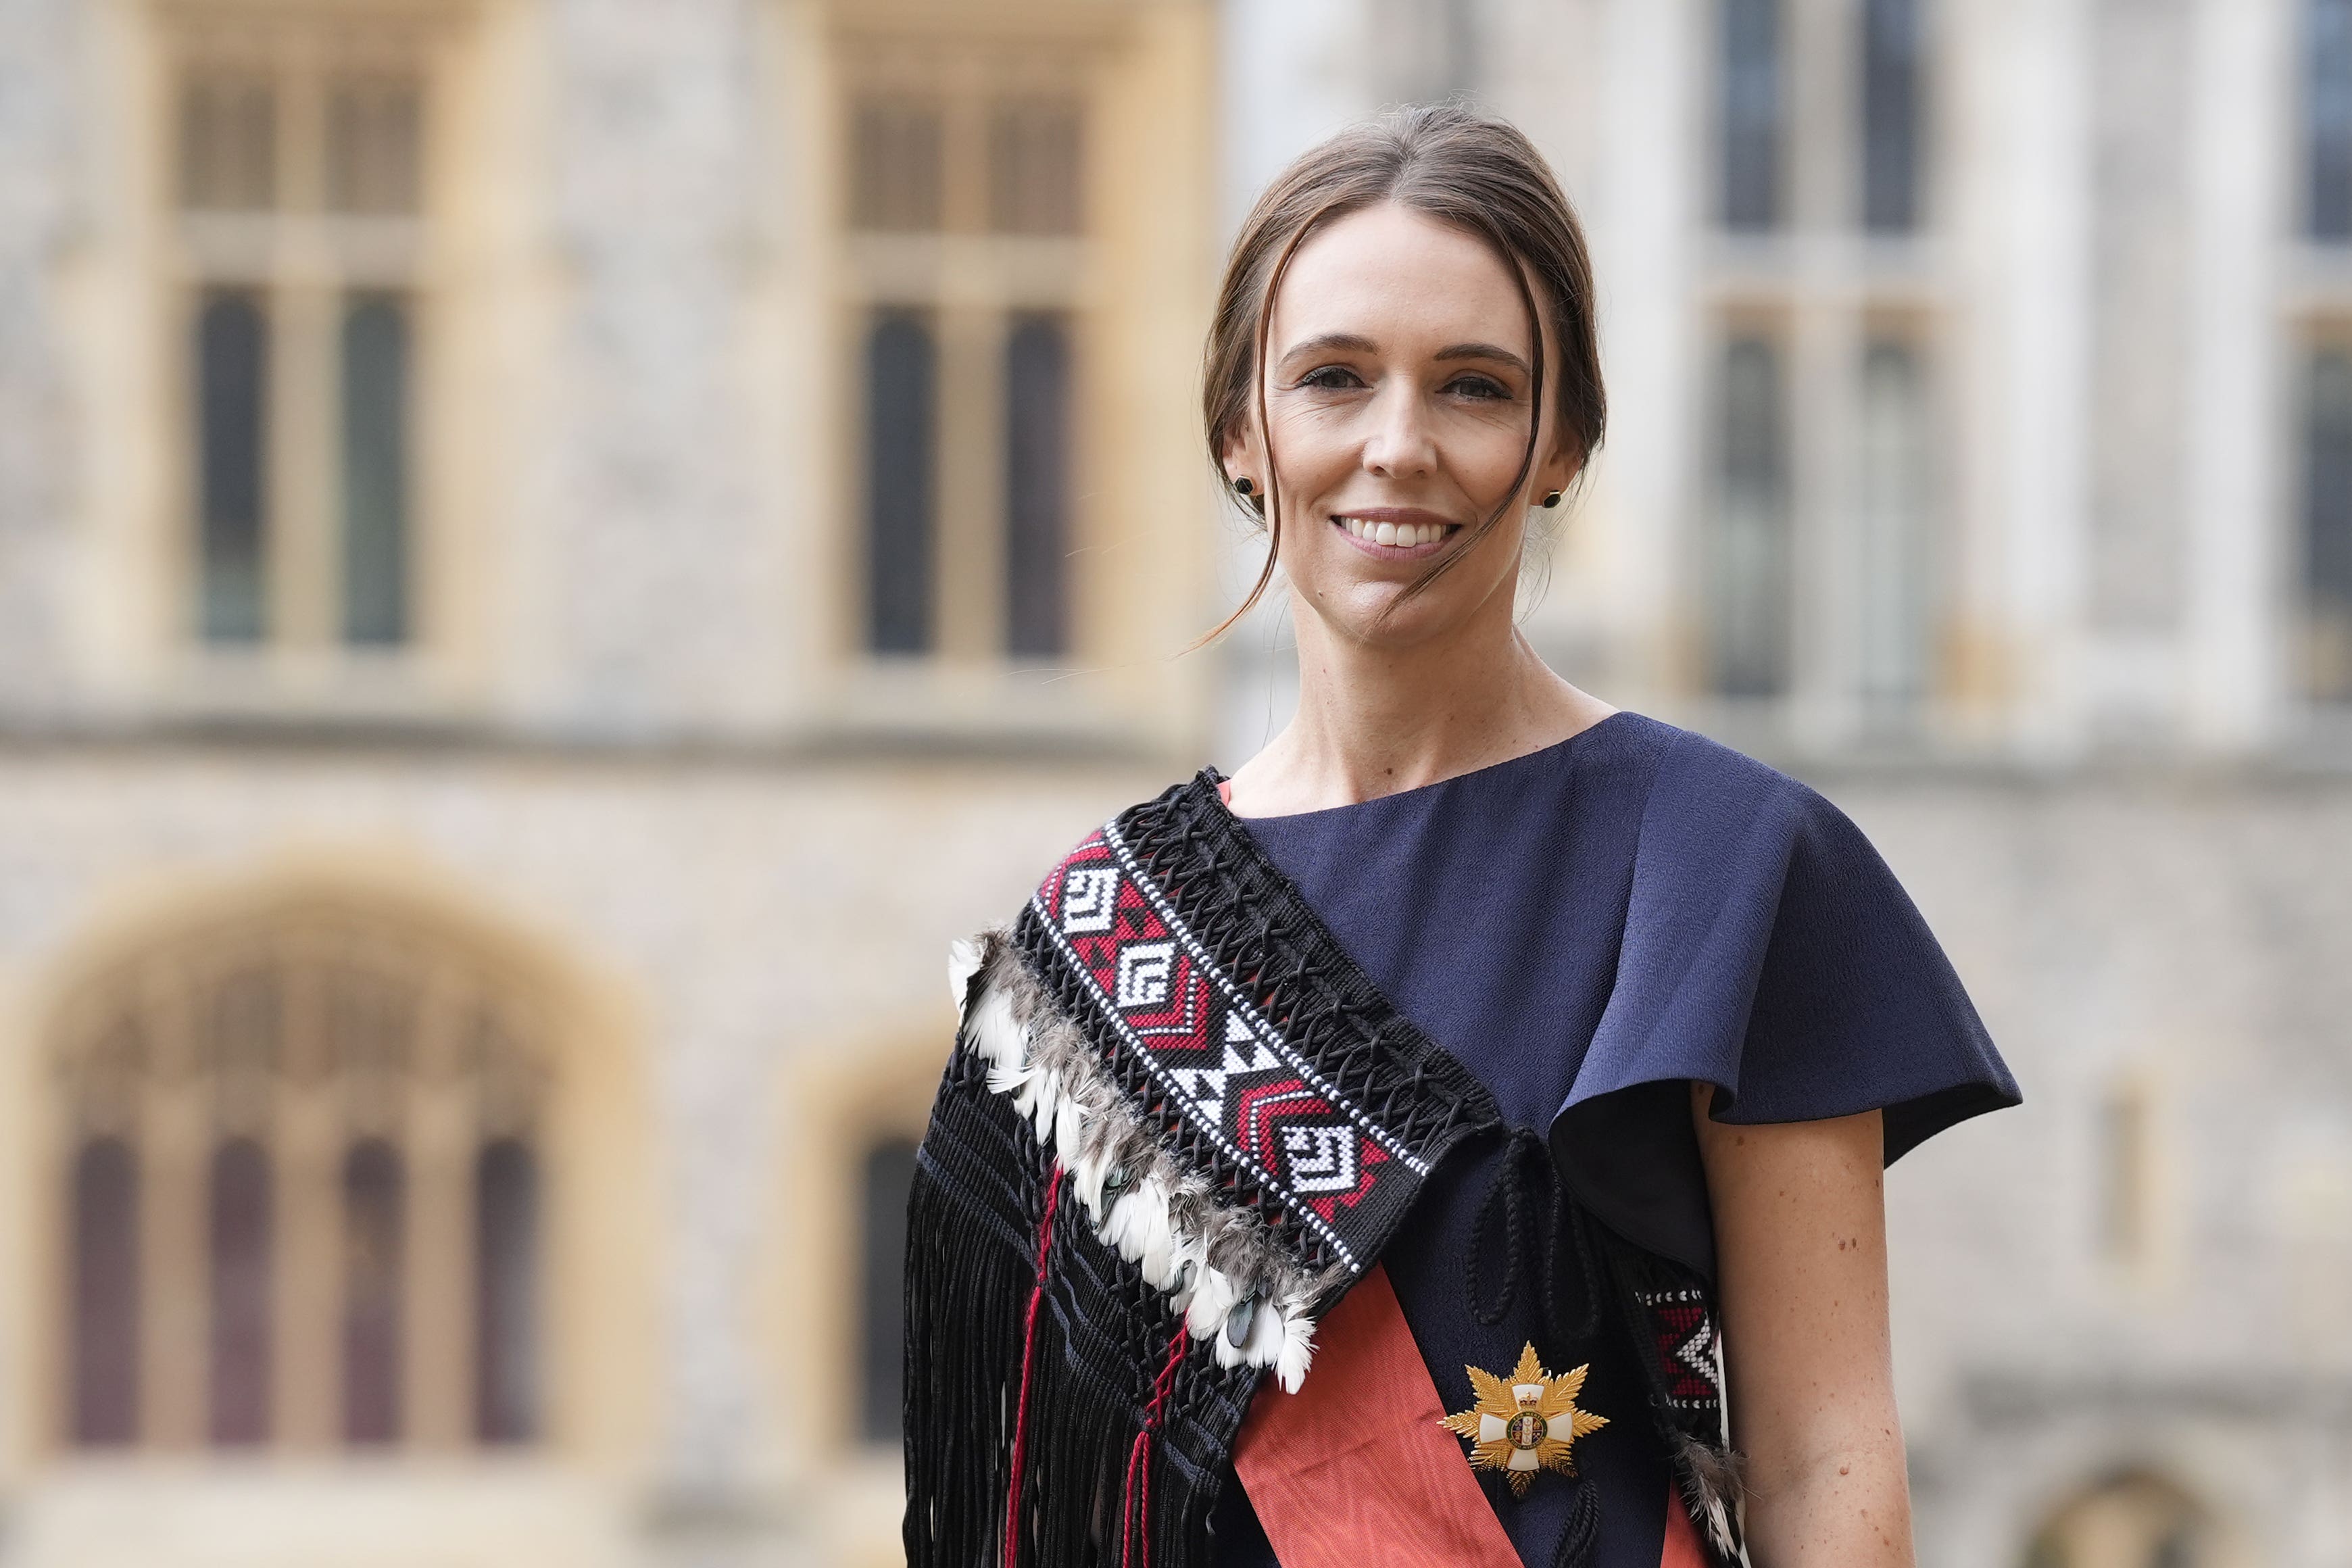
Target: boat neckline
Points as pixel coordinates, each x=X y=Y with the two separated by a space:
x=1555 y=748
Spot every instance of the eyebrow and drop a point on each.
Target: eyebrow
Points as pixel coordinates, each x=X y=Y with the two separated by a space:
x=1330 y=343
x=1483 y=351
x=1352 y=342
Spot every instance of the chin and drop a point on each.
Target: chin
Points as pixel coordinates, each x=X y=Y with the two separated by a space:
x=1378 y=615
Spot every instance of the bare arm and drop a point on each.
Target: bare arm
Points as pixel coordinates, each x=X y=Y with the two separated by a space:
x=1800 y=1244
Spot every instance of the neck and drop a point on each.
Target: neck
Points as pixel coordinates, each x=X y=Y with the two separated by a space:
x=1374 y=720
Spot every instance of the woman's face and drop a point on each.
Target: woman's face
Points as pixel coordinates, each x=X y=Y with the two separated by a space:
x=1398 y=393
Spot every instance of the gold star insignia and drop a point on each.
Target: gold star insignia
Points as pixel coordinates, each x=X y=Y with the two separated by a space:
x=1526 y=1422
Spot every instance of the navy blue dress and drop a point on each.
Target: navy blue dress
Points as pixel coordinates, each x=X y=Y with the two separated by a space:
x=1588 y=927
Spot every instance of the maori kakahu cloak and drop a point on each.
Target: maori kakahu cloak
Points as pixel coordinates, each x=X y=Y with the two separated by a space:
x=1180 y=1129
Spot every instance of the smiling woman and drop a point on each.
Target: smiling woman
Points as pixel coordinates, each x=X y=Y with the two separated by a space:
x=1471 y=1066
x=1444 y=252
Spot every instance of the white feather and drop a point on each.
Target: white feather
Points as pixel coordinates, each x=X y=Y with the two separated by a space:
x=1297 y=1350
x=995 y=1032
x=1036 y=1101
x=1069 y=1129
x=963 y=963
x=1138 y=1223
x=1087 y=1176
x=1189 y=1254
x=1263 y=1345
x=1157 y=1261
x=1213 y=1298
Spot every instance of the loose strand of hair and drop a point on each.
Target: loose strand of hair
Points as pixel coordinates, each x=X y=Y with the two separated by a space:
x=1259 y=370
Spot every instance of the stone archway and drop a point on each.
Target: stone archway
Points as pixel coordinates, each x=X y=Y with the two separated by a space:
x=2135 y=1520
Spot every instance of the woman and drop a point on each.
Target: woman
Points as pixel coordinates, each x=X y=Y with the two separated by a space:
x=1386 y=1155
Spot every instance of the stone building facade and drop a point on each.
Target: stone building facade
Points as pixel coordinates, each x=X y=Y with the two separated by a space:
x=552 y=551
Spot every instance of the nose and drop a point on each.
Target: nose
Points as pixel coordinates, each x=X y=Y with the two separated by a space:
x=1401 y=444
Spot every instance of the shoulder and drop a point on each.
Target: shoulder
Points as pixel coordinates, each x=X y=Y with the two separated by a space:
x=1706 y=788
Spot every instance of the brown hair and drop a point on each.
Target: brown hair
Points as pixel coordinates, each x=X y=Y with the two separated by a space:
x=1478 y=174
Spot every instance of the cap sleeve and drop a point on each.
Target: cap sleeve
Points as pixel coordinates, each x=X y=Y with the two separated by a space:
x=1768 y=950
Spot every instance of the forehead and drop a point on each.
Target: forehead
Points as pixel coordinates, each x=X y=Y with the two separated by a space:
x=1402 y=279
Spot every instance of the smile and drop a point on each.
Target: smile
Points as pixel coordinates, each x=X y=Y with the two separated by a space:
x=1396 y=539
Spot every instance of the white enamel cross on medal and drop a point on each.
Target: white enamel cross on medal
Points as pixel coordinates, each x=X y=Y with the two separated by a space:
x=1525 y=1423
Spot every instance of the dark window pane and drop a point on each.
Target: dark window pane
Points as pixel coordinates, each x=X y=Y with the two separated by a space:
x=901 y=377
x=2327 y=525
x=1896 y=563
x=1033 y=167
x=375 y=469
x=240 y=1254
x=105 y=1293
x=374 y=1248
x=1749 y=113
x=227 y=142
x=1890 y=115
x=1748 y=565
x=506 y=1323
x=889 y=1177
x=1037 y=486
x=894 y=175
x=2327 y=110
x=372 y=145
x=232 y=385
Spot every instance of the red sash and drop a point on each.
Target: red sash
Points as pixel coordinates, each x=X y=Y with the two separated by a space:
x=1354 y=1469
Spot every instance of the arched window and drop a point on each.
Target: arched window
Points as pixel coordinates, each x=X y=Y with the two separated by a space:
x=888 y=1178
x=506 y=1232
x=374 y=1241
x=2127 y=1521
x=305 y=1192
x=239 y=1261
x=105 y=1310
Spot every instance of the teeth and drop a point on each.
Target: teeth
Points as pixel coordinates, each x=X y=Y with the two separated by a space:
x=1403 y=536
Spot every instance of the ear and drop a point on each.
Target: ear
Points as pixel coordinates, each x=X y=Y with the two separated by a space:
x=1556 y=472
x=1239 y=455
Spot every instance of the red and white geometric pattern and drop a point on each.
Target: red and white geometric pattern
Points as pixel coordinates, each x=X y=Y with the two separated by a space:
x=1211 y=1050
x=1684 y=1333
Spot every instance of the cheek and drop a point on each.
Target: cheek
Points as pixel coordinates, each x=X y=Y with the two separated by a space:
x=1313 y=450
x=1484 y=451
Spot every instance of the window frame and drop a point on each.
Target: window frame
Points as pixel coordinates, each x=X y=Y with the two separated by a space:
x=310 y=268
x=975 y=283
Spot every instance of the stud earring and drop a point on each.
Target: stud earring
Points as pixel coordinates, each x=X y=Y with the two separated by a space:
x=1244 y=487
x=1552 y=500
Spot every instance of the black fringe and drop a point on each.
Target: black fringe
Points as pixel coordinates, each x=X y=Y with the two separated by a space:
x=1102 y=1338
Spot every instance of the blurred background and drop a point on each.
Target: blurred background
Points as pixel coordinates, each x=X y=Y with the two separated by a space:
x=552 y=553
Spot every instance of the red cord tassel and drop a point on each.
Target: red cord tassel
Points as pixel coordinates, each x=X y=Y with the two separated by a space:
x=1136 y=1516
x=1028 y=1350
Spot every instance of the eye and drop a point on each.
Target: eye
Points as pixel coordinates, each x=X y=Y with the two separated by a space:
x=1331 y=378
x=1479 y=386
